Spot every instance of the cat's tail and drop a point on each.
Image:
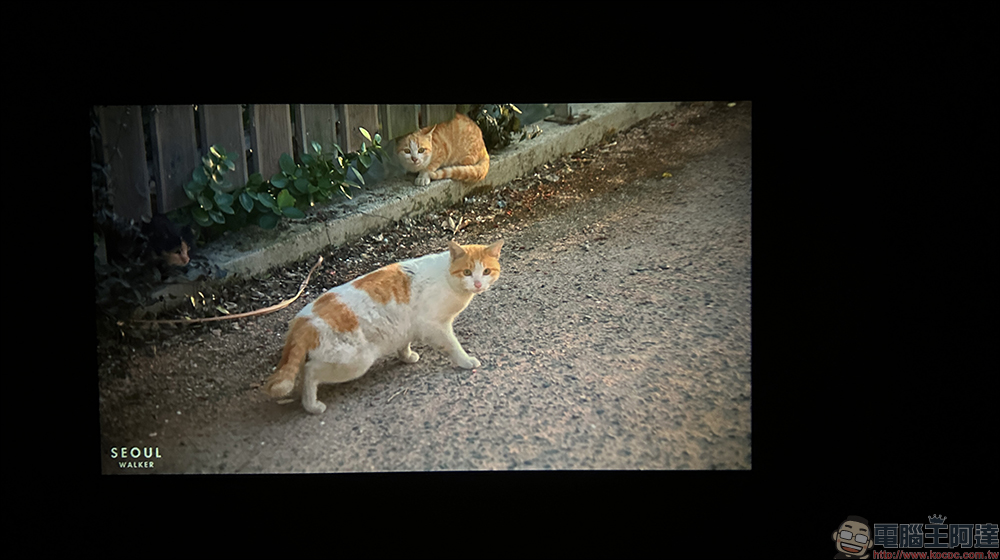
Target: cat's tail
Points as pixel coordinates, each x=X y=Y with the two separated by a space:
x=466 y=173
x=302 y=337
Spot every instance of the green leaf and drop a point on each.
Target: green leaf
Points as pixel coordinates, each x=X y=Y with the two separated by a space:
x=205 y=202
x=365 y=159
x=308 y=159
x=199 y=175
x=338 y=150
x=301 y=185
x=358 y=175
x=286 y=164
x=293 y=212
x=217 y=216
x=227 y=209
x=201 y=217
x=316 y=147
x=224 y=199
x=246 y=200
x=221 y=171
x=365 y=133
x=378 y=138
x=268 y=221
x=192 y=189
x=230 y=165
x=256 y=179
x=285 y=199
x=267 y=200
x=205 y=159
x=343 y=190
x=278 y=180
x=218 y=151
x=299 y=172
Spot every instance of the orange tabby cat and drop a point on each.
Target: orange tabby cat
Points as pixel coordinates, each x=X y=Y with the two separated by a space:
x=340 y=335
x=448 y=150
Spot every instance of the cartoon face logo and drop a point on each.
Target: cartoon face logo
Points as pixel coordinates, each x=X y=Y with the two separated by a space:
x=853 y=538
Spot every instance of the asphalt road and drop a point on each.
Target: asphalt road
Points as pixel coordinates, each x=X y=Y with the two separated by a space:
x=618 y=337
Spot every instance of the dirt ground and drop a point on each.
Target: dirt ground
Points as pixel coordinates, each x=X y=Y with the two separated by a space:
x=618 y=335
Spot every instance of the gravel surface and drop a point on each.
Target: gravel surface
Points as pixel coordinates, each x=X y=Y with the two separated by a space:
x=618 y=335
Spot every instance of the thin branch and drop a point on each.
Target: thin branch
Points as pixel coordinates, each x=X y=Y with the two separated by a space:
x=264 y=311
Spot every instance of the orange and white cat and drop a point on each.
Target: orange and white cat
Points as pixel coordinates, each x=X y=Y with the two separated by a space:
x=448 y=150
x=339 y=336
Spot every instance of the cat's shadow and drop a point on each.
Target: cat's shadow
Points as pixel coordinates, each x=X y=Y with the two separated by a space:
x=384 y=375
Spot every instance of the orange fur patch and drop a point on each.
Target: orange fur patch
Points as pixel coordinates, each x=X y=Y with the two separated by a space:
x=336 y=314
x=472 y=254
x=389 y=282
x=301 y=334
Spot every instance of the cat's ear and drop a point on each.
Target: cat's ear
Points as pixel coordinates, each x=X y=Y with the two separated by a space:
x=456 y=250
x=494 y=249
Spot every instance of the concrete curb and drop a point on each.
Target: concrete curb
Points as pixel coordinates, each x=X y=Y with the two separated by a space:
x=395 y=198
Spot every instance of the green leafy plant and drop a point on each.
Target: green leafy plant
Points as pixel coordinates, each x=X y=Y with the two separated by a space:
x=210 y=188
x=319 y=177
x=288 y=193
x=499 y=124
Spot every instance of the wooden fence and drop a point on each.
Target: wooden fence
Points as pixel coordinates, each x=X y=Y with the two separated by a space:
x=179 y=135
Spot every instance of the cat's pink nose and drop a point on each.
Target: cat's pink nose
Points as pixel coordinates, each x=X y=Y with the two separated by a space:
x=478 y=284
x=415 y=160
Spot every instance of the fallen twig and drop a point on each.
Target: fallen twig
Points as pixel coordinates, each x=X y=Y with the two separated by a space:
x=264 y=311
x=397 y=392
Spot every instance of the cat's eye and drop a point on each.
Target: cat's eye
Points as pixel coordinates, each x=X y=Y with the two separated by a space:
x=406 y=150
x=468 y=272
x=422 y=150
x=486 y=272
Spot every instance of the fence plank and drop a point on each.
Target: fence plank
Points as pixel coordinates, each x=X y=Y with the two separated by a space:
x=398 y=120
x=355 y=116
x=223 y=125
x=316 y=123
x=175 y=153
x=270 y=136
x=125 y=155
x=434 y=114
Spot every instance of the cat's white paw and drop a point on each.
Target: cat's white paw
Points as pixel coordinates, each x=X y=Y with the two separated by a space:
x=318 y=408
x=423 y=179
x=410 y=358
x=281 y=388
x=468 y=363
